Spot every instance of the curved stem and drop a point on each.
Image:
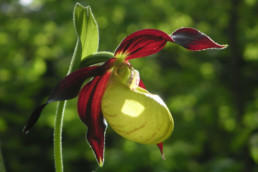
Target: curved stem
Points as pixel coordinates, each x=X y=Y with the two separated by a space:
x=60 y=114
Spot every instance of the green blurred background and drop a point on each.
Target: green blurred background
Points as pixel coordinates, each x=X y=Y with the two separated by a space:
x=213 y=95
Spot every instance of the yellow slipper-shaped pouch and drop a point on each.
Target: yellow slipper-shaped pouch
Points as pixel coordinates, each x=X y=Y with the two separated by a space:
x=132 y=111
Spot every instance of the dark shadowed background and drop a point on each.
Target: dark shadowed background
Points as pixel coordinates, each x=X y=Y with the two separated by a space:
x=213 y=95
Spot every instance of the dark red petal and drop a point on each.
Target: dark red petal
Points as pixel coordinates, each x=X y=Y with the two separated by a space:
x=142 y=43
x=68 y=88
x=33 y=118
x=89 y=109
x=160 y=145
x=194 y=40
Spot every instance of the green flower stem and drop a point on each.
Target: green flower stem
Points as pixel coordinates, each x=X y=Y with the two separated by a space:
x=58 y=136
x=2 y=167
x=60 y=115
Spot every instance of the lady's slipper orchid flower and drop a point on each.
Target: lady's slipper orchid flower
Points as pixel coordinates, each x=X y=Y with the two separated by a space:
x=116 y=93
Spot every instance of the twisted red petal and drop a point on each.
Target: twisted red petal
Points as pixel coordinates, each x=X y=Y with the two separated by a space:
x=33 y=118
x=68 y=88
x=89 y=109
x=194 y=40
x=142 y=43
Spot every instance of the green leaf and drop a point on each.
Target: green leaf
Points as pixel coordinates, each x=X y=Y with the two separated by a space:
x=95 y=58
x=87 y=30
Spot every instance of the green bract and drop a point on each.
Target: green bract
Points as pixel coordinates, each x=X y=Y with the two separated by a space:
x=133 y=112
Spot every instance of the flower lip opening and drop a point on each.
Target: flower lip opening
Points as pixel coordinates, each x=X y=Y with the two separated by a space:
x=123 y=69
x=124 y=72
